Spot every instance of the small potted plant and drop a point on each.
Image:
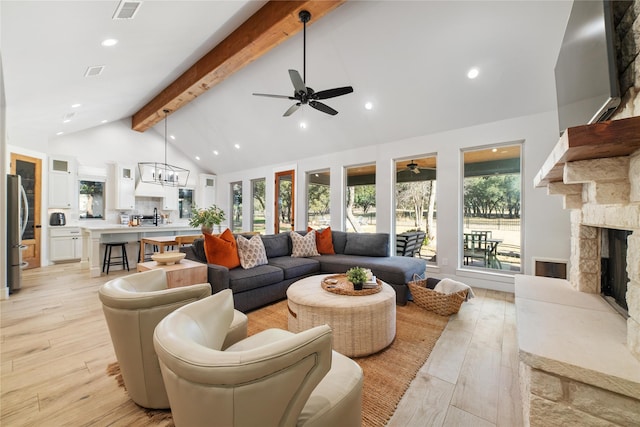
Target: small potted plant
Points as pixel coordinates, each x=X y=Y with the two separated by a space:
x=206 y=218
x=357 y=276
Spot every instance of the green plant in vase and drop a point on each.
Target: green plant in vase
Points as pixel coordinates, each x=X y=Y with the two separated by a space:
x=206 y=218
x=357 y=276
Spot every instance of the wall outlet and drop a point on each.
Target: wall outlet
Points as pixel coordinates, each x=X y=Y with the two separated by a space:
x=445 y=261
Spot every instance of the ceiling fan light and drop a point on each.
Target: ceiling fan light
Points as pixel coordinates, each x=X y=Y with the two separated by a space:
x=368 y=106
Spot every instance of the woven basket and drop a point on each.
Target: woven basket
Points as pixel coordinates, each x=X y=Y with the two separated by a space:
x=439 y=303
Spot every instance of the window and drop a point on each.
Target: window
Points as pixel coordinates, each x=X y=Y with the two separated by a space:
x=91 y=202
x=185 y=202
x=258 y=222
x=236 y=207
x=360 y=204
x=491 y=221
x=415 y=206
x=318 y=199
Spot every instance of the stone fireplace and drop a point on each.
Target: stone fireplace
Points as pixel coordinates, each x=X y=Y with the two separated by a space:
x=604 y=193
x=580 y=358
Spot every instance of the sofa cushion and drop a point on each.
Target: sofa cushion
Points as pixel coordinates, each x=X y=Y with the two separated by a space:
x=339 y=241
x=367 y=244
x=324 y=241
x=221 y=250
x=276 y=245
x=393 y=270
x=251 y=251
x=296 y=267
x=303 y=246
x=198 y=250
x=241 y=280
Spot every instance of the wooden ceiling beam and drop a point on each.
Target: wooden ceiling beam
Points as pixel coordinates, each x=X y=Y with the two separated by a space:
x=275 y=22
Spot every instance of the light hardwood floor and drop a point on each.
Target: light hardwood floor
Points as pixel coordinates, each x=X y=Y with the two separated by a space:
x=55 y=348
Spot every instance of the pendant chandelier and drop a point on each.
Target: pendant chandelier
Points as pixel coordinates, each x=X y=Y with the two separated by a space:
x=163 y=173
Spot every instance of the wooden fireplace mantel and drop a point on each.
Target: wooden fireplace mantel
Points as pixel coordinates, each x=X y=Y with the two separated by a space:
x=613 y=138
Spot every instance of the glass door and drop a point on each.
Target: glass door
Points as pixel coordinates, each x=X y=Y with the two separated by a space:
x=30 y=170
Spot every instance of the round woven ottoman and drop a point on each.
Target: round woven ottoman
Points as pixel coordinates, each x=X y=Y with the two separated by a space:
x=361 y=325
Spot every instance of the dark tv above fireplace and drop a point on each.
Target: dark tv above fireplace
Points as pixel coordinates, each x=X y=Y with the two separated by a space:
x=586 y=73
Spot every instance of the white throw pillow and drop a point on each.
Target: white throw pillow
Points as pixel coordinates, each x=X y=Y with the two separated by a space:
x=304 y=246
x=251 y=251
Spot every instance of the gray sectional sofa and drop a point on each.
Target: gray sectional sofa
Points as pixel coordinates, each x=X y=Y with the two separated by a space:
x=255 y=287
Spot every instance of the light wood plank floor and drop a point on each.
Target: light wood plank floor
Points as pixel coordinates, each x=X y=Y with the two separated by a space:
x=55 y=346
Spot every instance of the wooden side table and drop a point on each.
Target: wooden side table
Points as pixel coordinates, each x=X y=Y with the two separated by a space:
x=184 y=273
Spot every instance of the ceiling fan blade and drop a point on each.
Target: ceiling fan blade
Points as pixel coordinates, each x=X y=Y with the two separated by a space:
x=291 y=109
x=323 y=107
x=331 y=93
x=297 y=81
x=274 y=96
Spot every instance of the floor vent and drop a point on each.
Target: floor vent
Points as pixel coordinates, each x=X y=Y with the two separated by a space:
x=127 y=9
x=94 y=71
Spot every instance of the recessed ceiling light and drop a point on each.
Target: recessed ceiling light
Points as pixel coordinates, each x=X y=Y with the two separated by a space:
x=473 y=73
x=197 y=157
x=303 y=125
x=104 y=121
x=59 y=133
x=237 y=146
x=109 y=42
x=172 y=137
x=66 y=120
x=494 y=150
x=76 y=105
x=215 y=152
x=368 y=106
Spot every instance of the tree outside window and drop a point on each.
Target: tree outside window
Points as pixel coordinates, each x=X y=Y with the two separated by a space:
x=91 y=201
x=236 y=207
x=360 y=206
x=415 y=199
x=258 y=205
x=318 y=199
x=491 y=209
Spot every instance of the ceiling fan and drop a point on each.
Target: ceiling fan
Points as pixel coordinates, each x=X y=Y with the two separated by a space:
x=413 y=167
x=303 y=94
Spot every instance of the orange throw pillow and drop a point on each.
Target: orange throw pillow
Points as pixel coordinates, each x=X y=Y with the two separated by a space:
x=222 y=250
x=324 y=241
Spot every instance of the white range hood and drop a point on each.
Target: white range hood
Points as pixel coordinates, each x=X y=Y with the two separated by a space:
x=147 y=189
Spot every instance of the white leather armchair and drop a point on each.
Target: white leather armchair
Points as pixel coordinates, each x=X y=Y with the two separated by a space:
x=133 y=305
x=273 y=378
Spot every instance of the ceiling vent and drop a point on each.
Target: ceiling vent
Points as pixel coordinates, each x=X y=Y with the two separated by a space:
x=96 y=70
x=127 y=9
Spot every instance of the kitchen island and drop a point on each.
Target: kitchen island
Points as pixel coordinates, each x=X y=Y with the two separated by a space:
x=94 y=235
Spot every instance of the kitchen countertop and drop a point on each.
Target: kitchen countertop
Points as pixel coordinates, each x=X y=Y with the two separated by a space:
x=118 y=228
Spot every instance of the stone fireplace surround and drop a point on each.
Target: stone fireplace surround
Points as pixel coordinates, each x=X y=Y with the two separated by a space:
x=580 y=359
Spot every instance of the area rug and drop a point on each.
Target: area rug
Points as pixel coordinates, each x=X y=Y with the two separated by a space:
x=387 y=373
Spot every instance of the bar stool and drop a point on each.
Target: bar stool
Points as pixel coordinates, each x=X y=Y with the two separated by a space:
x=116 y=260
x=147 y=255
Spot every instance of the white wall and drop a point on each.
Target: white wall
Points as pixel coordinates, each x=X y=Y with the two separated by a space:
x=545 y=223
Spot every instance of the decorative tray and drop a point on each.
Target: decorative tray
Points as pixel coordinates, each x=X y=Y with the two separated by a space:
x=338 y=284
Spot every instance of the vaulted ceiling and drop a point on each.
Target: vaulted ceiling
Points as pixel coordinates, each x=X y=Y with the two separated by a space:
x=408 y=59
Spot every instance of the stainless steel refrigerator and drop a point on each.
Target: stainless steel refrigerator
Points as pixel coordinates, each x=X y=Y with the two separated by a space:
x=17 y=217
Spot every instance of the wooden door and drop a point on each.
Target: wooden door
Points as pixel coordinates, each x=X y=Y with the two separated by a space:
x=285 y=201
x=30 y=170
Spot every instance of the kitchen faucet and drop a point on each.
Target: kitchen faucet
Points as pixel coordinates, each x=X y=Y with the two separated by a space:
x=155 y=216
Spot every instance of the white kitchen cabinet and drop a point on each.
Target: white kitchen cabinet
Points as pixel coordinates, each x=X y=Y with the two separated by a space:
x=65 y=243
x=170 y=199
x=206 y=192
x=125 y=187
x=61 y=182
